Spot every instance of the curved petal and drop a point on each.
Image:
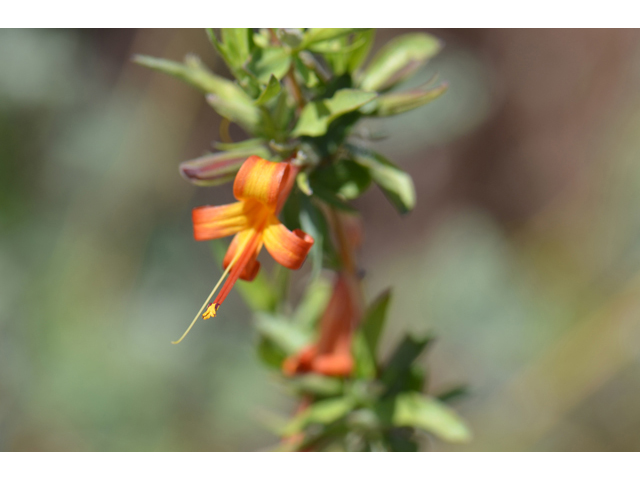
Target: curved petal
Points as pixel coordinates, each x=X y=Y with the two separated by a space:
x=300 y=362
x=286 y=247
x=252 y=266
x=210 y=222
x=261 y=180
x=336 y=365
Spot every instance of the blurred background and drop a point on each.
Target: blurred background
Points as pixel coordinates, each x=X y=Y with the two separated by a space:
x=522 y=255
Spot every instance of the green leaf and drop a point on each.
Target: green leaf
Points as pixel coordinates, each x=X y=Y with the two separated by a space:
x=398 y=374
x=399 y=59
x=368 y=335
x=373 y=321
x=359 y=54
x=313 y=303
x=317 y=385
x=427 y=413
x=316 y=116
x=313 y=223
x=235 y=49
x=262 y=39
x=269 y=61
x=272 y=89
x=400 y=102
x=346 y=177
x=309 y=78
x=292 y=37
x=196 y=74
x=339 y=46
x=287 y=336
x=401 y=440
x=237 y=43
x=452 y=394
x=247 y=116
x=394 y=182
x=302 y=180
x=252 y=144
x=270 y=354
x=330 y=198
x=364 y=362
x=336 y=53
x=316 y=35
x=218 y=168
x=322 y=412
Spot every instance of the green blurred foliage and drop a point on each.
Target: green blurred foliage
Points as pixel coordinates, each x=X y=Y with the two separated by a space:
x=98 y=270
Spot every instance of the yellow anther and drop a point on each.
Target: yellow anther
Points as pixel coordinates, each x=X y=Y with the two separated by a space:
x=211 y=311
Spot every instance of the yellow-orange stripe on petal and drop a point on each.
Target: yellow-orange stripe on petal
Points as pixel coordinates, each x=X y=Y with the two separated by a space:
x=287 y=248
x=260 y=180
x=250 y=270
x=210 y=223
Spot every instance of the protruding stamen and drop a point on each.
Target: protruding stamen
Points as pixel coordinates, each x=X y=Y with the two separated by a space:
x=226 y=272
x=211 y=311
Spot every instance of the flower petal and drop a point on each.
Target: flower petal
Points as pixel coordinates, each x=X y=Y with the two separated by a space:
x=252 y=267
x=216 y=222
x=286 y=247
x=261 y=180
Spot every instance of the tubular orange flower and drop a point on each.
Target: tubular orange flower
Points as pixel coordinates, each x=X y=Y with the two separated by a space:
x=331 y=355
x=261 y=188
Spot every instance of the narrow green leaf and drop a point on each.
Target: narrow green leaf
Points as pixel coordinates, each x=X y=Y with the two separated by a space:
x=267 y=62
x=339 y=45
x=196 y=74
x=313 y=223
x=366 y=340
x=252 y=144
x=345 y=177
x=322 y=412
x=398 y=373
x=313 y=303
x=262 y=38
x=226 y=97
x=398 y=59
x=394 y=182
x=237 y=43
x=427 y=413
x=373 y=321
x=454 y=393
x=245 y=115
x=302 y=180
x=235 y=49
x=400 y=102
x=272 y=89
x=316 y=116
x=309 y=78
x=270 y=353
x=286 y=335
x=316 y=35
x=336 y=54
x=292 y=37
x=317 y=385
x=359 y=55
x=365 y=362
x=330 y=198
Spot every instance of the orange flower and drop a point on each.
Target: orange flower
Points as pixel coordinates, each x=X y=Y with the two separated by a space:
x=331 y=355
x=262 y=188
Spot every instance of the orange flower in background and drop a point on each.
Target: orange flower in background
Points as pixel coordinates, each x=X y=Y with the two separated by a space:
x=331 y=355
x=261 y=188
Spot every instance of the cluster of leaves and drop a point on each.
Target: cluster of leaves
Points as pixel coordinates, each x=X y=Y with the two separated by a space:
x=381 y=406
x=299 y=95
